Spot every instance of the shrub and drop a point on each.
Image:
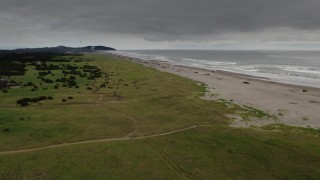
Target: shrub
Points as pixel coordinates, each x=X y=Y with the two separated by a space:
x=27 y=101
x=29 y=84
x=6 y=130
x=24 y=104
x=42 y=98
x=49 y=81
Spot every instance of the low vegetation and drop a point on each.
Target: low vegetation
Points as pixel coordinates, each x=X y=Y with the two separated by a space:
x=27 y=101
x=281 y=127
x=97 y=97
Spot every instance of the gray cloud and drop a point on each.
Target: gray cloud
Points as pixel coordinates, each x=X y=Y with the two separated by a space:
x=159 y=20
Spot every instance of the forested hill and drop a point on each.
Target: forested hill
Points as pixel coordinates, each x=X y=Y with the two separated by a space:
x=60 y=49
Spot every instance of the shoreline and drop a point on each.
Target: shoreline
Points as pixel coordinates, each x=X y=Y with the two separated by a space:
x=289 y=103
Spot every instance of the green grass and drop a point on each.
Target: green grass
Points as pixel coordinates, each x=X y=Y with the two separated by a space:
x=247 y=113
x=204 y=153
x=250 y=112
x=243 y=153
x=156 y=107
x=307 y=131
x=97 y=161
x=148 y=102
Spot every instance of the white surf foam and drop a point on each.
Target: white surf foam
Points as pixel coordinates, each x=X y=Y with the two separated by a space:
x=297 y=75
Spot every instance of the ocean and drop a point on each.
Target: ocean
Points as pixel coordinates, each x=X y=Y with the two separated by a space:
x=291 y=67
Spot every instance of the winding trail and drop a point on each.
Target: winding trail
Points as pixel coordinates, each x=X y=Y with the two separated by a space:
x=100 y=140
x=132 y=136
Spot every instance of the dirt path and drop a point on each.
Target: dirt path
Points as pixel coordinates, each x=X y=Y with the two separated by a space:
x=100 y=140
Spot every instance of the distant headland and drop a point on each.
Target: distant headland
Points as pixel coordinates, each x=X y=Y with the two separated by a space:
x=60 y=49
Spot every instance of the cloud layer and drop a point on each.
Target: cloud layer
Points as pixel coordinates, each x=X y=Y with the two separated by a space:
x=44 y=21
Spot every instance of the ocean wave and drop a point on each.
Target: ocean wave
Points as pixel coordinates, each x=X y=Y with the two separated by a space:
x=302 y=69
x=215 y=63
x=291 y=74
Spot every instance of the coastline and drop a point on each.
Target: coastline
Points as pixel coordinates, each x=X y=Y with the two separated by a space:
x=288 y=103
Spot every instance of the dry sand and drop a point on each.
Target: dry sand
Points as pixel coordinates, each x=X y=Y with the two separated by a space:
x=288 y=103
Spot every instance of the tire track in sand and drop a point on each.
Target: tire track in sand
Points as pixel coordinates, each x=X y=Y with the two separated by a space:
x=171 y=162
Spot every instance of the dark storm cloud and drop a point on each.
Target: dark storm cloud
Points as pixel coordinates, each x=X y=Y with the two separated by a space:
x=158 y=19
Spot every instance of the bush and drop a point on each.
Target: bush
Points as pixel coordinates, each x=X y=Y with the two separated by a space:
x=6 y=130
x=49 y=81
x=24 y=104
x=27 y=101
x=70 y=97
x=42 y=98
x=64 y=100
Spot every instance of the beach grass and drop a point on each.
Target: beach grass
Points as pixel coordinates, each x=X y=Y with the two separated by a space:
x=202 y=153
x=157 y=102
x=140 y=101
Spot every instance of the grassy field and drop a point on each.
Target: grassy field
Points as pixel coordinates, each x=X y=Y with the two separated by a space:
x=139 y=101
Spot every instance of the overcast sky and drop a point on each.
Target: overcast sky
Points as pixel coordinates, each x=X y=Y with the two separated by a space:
x=161 y=24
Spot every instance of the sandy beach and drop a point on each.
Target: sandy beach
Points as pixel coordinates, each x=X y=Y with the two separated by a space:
x=292 y=105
